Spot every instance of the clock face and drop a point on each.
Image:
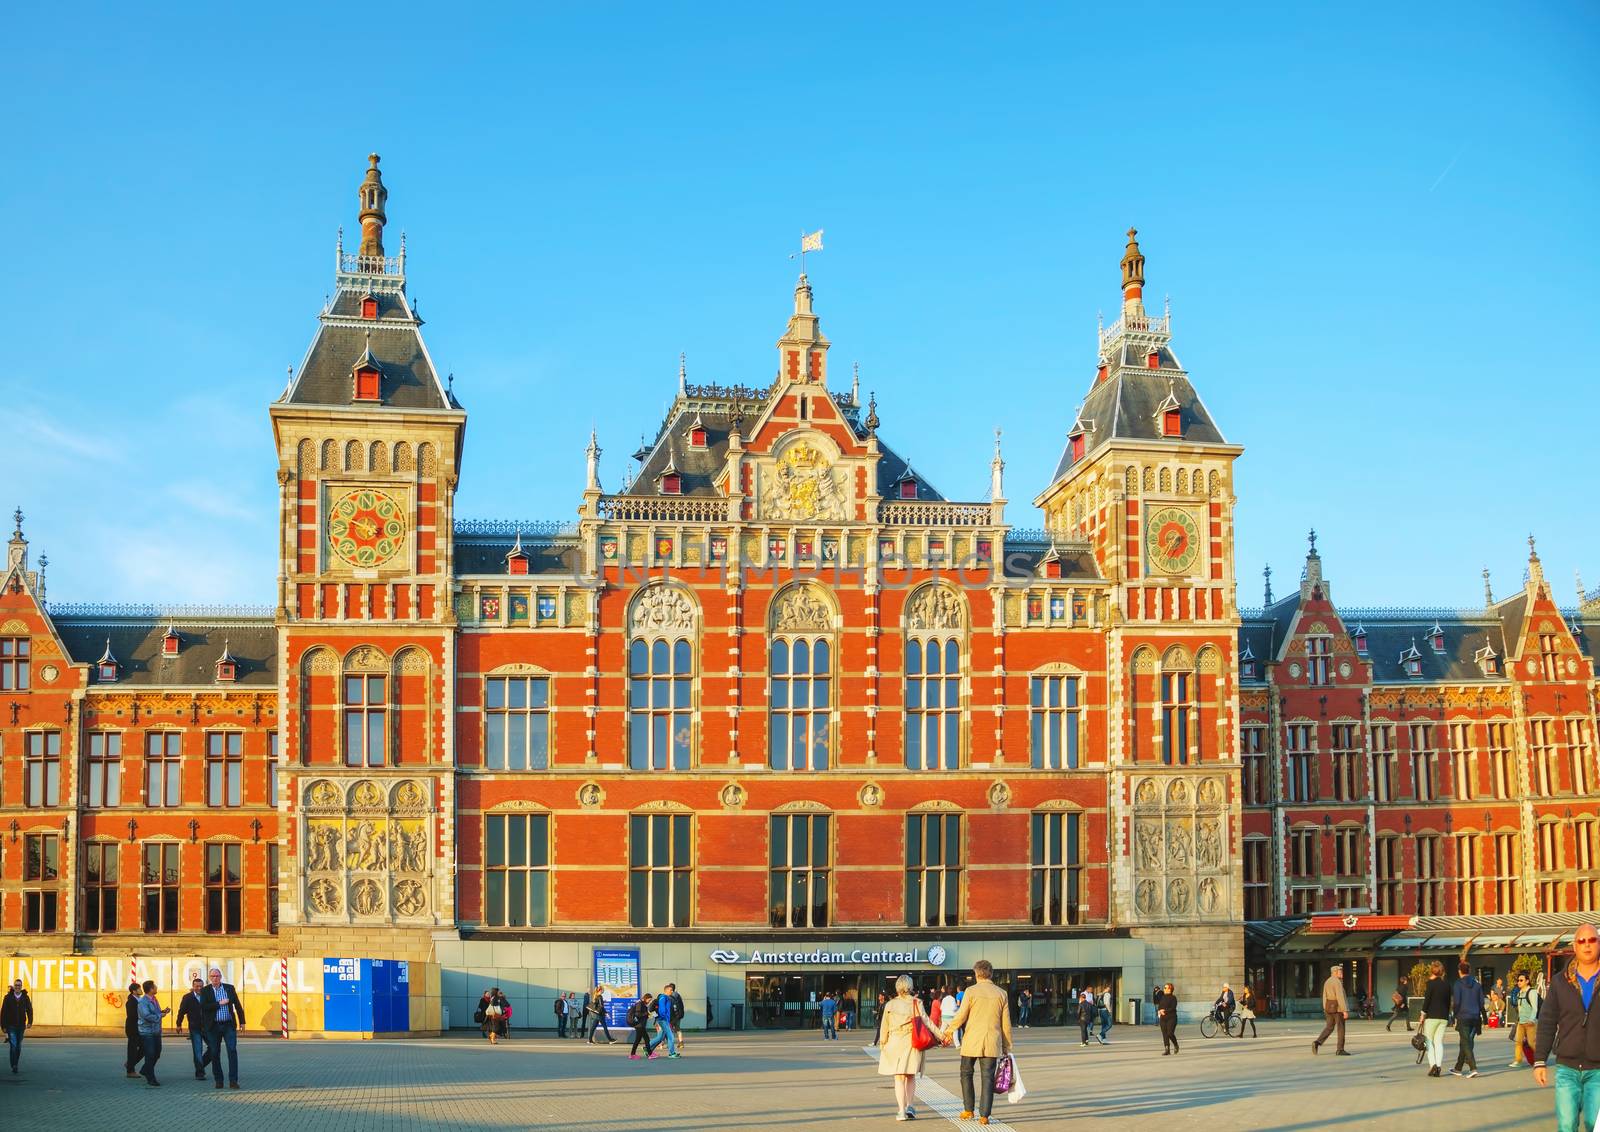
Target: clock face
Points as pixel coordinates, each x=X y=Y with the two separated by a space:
x=1172 y=540
x=366 y=527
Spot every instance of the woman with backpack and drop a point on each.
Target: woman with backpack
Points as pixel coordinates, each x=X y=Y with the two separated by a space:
x=1085 y=1016
x=639 y=1015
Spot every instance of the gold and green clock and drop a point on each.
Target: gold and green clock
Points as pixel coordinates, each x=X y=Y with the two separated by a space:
x=366 y=527
x=1172 y=540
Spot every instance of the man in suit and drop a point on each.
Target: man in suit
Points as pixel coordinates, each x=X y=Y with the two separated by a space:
x=984 y=1017
x=130 y=1030
x=223 y=1014
x=189 y=1010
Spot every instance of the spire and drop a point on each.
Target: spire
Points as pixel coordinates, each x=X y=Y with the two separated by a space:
x=1266 y=574
x=1488 y=590
x=803 y=351
x=1577 y=579
x=1133 y=277
x=592 y=456
x=997 y=468
x=683 y=374
x=17 y=550
x=855 y=385
x=372 y=196
x=872 y=414
x=1311 y=580
x=1535 y=570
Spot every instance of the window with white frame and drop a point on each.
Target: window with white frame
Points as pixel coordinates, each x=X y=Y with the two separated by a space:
x=1253 y=756
x=800 y=704
x=1549 y=656
x=516 y=723
x=1348 y=859
x=1302 y=763
x=1580 y=735
x=103 y=764
x=163 y=768
x=1053 y=719
x=933 y=870
x=1424 y=763
x=1387 y=855
x=800 y=864
x=1257 y=878
x=1469 y=881
x=224 y=768
x=1346 y=756
x=1546 y=758
x=516 y=870
x=366 y=719
x=1430 y=899
x=1057 y=891
x=1507 y=872
x=660 y=870
x=1303 y=853
x=41 y=768
x=1319 y=657
x=660 y=704
x=14 y=664
x=933 y=703
x=1548 y=853
x=1502 y=770
x=1175 y=710
x=1586 y=861
x=1465 y=759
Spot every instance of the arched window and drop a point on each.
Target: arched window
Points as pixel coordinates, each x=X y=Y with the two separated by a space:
x=800 y=696
x=1177 y=706
x=935 y=622
x=366 y=708
x=661 y=678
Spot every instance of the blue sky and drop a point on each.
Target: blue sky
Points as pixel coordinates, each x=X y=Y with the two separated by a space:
x=1376 y=225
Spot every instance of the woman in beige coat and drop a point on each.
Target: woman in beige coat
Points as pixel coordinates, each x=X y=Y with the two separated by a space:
x=898 y=1058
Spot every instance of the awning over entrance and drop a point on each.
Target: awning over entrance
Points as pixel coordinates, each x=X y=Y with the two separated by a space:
x=1363 y=934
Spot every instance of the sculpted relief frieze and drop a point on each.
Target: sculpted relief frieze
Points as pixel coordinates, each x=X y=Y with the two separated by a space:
x=661 y=609
x=367 y=850
x=1179 y=847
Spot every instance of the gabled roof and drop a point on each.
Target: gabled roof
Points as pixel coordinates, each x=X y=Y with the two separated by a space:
x=1126 y=406
x=134 y=643
x=343 y=340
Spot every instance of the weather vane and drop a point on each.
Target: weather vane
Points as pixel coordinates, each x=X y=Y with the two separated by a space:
x=808 y=243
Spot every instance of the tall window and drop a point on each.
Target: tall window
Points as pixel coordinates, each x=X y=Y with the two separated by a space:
x=1303 y=853
x=516 y=723
x=14 y=664
x=801 y=703
x=1424 y=763
x=1581 y=740
x=224 y=888
x=100 y=886
x=1466 y=761
x=1253 y=756
x=1319 y=652
x=1302 y=768
x=1388 y=862
x=272 y=768
x=224 y=768
x=1348 y=859
x=163 y=768
x=933 y=870
x=1057 y=890
x=104 y=769
x=1303 y=900
x=660 y=697
x=159 y=881
x=365 y=719
x=516 y=870
x=933 y=704
x=1549 y=861
x=1502 y=771
x=1586 y=853
x=1430 y=899
x=1257 y=879
x=799 y=860
x=660 y=870
x=1507 y=886
x=1549 y=656
x=272 y=888
x=1546 y=758
x=1347 y=762
x=41 y=865
x=1053 y=722
x=41 y=781
x=1469 y=886
x=1175 y=717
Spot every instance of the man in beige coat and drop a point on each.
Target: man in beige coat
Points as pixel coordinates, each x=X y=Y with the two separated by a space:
x=984 y=1020
x=1335 y=1009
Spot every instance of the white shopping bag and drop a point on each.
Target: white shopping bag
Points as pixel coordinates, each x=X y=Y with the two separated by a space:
x=1018 y=1091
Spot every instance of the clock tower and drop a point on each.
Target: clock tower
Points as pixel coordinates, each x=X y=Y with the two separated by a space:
x=1147 y=478
x=369 y=448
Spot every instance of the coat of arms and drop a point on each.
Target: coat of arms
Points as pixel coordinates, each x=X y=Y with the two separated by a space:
x=803 y=487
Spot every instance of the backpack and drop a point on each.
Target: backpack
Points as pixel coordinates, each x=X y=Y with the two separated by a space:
x=636 y=1013
x=677 y=1010
x=1085 y=1011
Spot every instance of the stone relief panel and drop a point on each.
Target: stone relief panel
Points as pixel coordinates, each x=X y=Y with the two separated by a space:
x=1179 y=847
x=661 y=609
x=367 y=852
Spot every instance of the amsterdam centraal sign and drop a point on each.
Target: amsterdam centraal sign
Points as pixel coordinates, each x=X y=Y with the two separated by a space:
x=908 y=956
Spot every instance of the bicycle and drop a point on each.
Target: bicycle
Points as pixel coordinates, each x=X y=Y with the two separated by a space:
x=1231 y=1026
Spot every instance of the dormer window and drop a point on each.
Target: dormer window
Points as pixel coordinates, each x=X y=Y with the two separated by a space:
x=368 y=383
x=697 y=436
x=671 y=484
x=1172 y=423
x=227 y=666
x=517 y=558
x=1077 y=446
x=1050 y=564
x=369 y=307
x=1247 y=664
x=1152 y=360
x=1360 y=638
x=170 y=642
x=1411 y=660
x=1488 y=660
x=1436 y=637
x=107 y=668
x=1101 y=372
x=908 y=489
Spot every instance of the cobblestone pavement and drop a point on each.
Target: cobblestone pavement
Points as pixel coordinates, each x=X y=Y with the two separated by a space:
x=769 y=1081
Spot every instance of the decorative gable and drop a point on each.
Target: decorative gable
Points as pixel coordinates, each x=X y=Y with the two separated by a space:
x=107 y=668
x=227 y=666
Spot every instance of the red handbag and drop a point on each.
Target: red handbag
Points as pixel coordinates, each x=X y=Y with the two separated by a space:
x=921 y=1034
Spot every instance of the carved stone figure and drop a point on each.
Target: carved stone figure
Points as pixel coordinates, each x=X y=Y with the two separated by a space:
x=322 y=846
x=662 y=609
x=1178 y=793
x=1210 y=792
x=1147 y=842
x=934 y=608
x=1208 y=845
x=1179 y=846
x=366 y=796
x=1210 y=896
x=1146 y=794
x=803 y=487
x=999 y=795
x=409 y=796
x=732 y=795
x=414 y=852
x=871 y=795
x=324 y=896
x=365 y=897
x=1145 y=898
x=589 y=795
x=409 y=898
x=801 y=610
x=362 y=849
x=1178 y=896
x=323 y=795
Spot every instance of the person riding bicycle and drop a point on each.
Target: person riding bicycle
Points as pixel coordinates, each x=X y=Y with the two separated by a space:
x=1223 y=1007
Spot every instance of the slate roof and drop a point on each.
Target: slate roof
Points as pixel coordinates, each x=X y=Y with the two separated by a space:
x=1264 y=633
x=409 y=379
x=1389 y=634
x=136 y=643
x=1077 y=562
x=1123 y=406
x=477 y=554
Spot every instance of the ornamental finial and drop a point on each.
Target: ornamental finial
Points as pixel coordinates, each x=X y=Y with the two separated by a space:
x=872 y=413
x=1312 y=538
x=373 y=196
x=1266 y=573
x=16 y=517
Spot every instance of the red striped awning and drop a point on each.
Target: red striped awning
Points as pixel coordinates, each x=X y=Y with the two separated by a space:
x=1359 y=923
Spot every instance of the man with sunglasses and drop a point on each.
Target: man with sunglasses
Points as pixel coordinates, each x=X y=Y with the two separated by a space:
x=1564 y=1028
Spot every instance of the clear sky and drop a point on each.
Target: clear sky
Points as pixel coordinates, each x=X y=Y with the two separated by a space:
x=1377 y=225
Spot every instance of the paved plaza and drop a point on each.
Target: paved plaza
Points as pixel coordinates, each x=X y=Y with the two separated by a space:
x=770 y=1081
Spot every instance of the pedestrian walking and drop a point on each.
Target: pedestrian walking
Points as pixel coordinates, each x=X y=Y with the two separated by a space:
x=1397 y=1008
x=1107 y=1010
x=677 y=1017
x=1024 y=1007
x=1435 y=1014
x=829 y=1020
x=597 y=1007
x=493 y=1015
x=898 y=1056
x=877 y=1038
x=1564 y=1031
x=1335 y=1008
x=984 y=1019
x=1467 y=1001
x=663 y=1015
x=1247 y=1009
x=223 y=1014
x=189 y=1011
x=16 y=1015
x=130 y=1030
x=1086 y=1010
x=849 y=1010
x=1523 y=1036
x=948 y=1005
x=1166 y=1001
x=151 y=1012
x=640 y=1012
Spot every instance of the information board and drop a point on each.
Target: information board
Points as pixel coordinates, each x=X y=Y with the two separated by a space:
x=616 y=973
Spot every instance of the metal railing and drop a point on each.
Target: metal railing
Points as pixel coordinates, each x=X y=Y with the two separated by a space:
x=145 y=611
x=933 y=513
x=510 y=528
x=655 y=509
x=354 y=264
